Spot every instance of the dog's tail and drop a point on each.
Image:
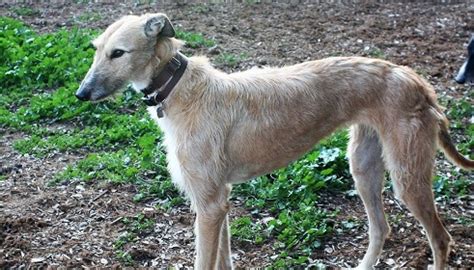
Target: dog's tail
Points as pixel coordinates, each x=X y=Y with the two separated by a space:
x=449 y=149
x=444 y=139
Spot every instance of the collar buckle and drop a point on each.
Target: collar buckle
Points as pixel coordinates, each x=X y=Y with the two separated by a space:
x=150 y=100
x=175 y=64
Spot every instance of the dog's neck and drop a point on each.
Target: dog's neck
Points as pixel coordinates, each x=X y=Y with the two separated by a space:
x=162 y=84
x=198 y=72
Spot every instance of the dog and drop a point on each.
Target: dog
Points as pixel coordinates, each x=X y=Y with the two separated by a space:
x=221 y=129
x=466 y=73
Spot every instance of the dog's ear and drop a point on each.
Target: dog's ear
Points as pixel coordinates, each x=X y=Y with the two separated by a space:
x=159 y=26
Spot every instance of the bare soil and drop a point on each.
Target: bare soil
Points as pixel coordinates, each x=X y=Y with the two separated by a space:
x=76 y=224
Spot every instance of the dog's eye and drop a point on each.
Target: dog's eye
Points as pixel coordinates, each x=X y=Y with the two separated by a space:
x=117 y=53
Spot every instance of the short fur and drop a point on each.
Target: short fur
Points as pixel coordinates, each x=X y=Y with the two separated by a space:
x=222 y=129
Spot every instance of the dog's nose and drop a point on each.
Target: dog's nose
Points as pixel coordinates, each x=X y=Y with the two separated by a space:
x=461 y=77
x=83 y=95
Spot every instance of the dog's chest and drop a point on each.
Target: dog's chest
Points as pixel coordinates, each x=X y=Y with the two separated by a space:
x=170 y=142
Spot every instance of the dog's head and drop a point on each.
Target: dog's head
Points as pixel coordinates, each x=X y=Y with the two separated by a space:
x=466 y=73
x=130 y=50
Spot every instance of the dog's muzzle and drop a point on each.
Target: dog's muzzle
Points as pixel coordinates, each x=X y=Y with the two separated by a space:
x=83 y=95
x=461 y=77
x=91 y=89
x=84 y=92
x=466 y=73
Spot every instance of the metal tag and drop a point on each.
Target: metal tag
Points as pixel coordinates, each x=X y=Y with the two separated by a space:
x=159 y=111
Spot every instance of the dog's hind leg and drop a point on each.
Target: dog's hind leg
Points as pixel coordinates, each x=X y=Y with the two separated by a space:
x=211 y=213
x=367 y=168
x=409 y=152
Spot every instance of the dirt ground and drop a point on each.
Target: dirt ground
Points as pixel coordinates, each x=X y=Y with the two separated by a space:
x=75 y=224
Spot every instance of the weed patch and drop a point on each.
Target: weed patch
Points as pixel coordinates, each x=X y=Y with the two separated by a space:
x=194 y=40
x=24 y=11
x=89 y=17
x=376 y=53
x=245 y=229
x=138 y=226
x=231 y=60
x=460 y=115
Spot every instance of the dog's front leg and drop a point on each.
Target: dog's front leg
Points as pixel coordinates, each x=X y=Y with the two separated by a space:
x=225 y=261
x=208 y=227
x=210 y=218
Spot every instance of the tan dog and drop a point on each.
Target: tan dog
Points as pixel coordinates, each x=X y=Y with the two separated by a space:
x=222 y=128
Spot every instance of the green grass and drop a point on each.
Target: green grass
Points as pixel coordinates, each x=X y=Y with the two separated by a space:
x=121 y=144
x=194 y=40
x=200 y=8
x=136 y=227
x=459 y=112
x=145 y=2
x=231 y=60
x=376 y=53
x=24 y=11
x=252 y=2
x=89 y=17
x=446 y=188
x=247 y=230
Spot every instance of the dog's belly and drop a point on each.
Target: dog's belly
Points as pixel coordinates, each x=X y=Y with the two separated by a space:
x=265 y=163
x=259 y=152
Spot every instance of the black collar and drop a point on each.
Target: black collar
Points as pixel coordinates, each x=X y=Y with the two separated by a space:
x=166 y=81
